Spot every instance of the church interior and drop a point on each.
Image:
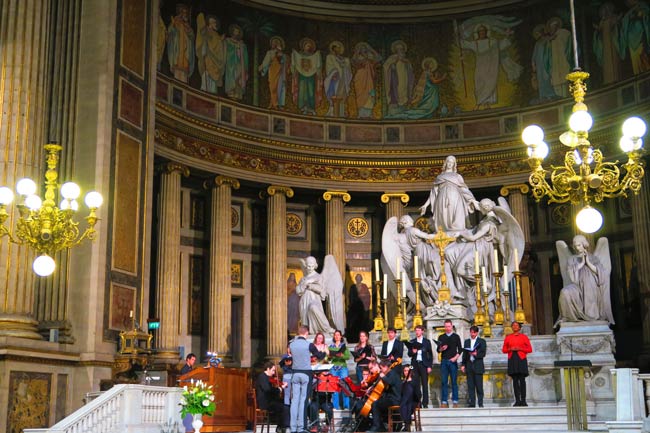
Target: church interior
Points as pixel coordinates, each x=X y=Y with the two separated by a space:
x=231 y=139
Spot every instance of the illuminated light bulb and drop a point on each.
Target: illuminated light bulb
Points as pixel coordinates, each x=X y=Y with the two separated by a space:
x=64 y=205
x=626 y=144
x=532 y=134
x=70 y=190
x=590 y=156
x=541 y=150
x=589 y=220
x=33 y=202
x=94 y=199
x=43 y=265
x=74 y=205
x=581 y=121
x=6 y=195
x=26 y=186
x=634 y=127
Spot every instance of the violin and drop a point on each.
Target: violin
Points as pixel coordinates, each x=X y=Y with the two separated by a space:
x=376 y=392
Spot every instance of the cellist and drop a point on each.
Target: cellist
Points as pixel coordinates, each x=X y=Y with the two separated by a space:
x=391 y=395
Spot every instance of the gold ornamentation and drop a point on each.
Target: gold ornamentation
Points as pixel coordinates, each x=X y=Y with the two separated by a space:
x=234 y=217
x=175 y=167
x=522 y=187
x=329 y=195
x=357 y=227
x=561 y=214
x=294 y=224
x=402 y=196
x=276 y=189
x=423 y=224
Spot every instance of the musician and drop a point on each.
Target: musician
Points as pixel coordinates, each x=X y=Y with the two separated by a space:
x=301 y=352
x=338 y=355
x=364 y=353
x=450 y=347
x=393 y=348
x=411 y=397
x=421 y=353
x=190 y=359
x=474 y=349
x=286 y=364
x=268 y=394
x=391 y=395
x=322 y=397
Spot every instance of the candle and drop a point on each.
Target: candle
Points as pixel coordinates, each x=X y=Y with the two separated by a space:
x=131 y=313
x=376 y=269
x=516 y=260
x=505 y=278
x=403 y=284
x=385 y=286
x=496 y=261
x=415 y=266
x=399 y=267
x=484 y=279
x=476 y=271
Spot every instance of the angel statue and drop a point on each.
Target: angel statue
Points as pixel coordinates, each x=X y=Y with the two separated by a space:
x=499 y=230
x=314 y=288
x=585 y=295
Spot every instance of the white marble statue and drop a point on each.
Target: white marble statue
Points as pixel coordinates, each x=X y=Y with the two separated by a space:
x=450 y=200
x=313 y=289
x=585 y=296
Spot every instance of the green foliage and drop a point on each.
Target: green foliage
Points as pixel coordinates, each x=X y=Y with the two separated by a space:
x=198 y=398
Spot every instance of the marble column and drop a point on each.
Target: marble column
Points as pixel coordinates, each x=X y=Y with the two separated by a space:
x=220 y=260
x=641 y=228
x=168 y=289
x=335 y=226
x=276 y=270
x=516 y=195
x=395 y=202
x=26 y=34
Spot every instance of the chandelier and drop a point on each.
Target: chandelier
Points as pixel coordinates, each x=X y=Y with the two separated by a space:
x=41 y=225
x=585 y=177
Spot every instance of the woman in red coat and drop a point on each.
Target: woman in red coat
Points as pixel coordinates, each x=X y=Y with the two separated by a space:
x=517 y=345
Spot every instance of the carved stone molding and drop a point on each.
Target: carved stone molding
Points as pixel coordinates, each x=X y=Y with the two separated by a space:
x=329 y=195
x=402 y=196
x=222 y=180
x=522 y=187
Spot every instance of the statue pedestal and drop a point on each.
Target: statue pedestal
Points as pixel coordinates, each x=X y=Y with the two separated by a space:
x=587 y=340
x=435 y=316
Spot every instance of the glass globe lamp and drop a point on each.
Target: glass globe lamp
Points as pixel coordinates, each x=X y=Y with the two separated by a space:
x=589 y=220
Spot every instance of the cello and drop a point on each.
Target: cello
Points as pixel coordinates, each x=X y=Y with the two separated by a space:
x=376 y=392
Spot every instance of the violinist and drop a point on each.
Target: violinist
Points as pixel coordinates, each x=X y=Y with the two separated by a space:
x=411 y=397
x=267 y=390
x=391 y=395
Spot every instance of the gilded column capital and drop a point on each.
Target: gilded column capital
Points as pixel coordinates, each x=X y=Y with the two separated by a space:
x=329 y=195
x=277 y=189
x=402 y=196
x=221 y=180
x=522 y=187
x=172 y=167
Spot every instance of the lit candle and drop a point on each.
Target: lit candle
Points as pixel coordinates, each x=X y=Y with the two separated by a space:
x=131 y=313
x=484 y=279
x=505 y=278
x=415 y=266
x=516 y=260
x=403 y=284
x=476 y=269
x=385 y=286
x=399 y=267
x=496 y=261
x=376 y=269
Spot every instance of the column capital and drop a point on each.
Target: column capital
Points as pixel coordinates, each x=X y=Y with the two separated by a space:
x=402 y=196
x=172 y=167
x=522 y=187
x=329 y=195
x=278 y=189
x=221 y=180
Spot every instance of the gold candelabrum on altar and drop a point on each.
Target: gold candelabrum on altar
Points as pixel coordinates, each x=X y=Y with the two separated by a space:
x=398 y=322
x=441 y=240
x=42 y=225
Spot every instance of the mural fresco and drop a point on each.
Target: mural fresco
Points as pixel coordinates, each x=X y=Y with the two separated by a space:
x=399 y=71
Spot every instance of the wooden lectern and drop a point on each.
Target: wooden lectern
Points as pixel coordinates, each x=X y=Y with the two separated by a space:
x=229 y=387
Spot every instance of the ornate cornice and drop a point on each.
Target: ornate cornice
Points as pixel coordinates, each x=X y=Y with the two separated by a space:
x=329 y=195
x=522 y=187
x=402 y=196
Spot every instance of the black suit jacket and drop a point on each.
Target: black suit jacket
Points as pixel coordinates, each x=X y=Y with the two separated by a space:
x=476 y=365
x=397 y=352
x=427 y=352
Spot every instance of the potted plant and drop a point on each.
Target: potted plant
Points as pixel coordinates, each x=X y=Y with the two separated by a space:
x=197 y=400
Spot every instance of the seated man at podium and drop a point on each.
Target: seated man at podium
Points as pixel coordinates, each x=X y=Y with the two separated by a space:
x=190 y=359
x=268 y=392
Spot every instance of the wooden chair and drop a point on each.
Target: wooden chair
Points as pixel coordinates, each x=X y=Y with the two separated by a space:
x=261 y=416
x=395 y=417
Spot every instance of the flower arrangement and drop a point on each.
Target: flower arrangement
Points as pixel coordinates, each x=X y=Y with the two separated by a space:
x=198 y=398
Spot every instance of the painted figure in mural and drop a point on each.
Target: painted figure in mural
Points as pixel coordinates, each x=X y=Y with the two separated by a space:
x=488 y=38
x=365 y=61
x=606 y=44
x=338 y=75
x=635 y=35
x=559 y=40
x=211 y=52
x=160 y=42
x=314 y=289
x=426 y=94
x=276 y=66
x=450 y=200
x=398 y=78
x=585 y=295
x=236 y=74
x=293 y=304
x=541 y=65
x=307 y=79
x=180 y=44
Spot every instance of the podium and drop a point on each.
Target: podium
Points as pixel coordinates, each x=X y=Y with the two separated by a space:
x=229 y=387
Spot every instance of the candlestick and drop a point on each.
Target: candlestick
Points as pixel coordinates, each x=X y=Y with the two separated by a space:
x=415 y=267
x=379 y=321
x=496 y=260
x=376 y=269
x=516 y=260
x=484 y=275
x=417 y=318
x=478 y=316
x=403 y=284
x=398 y=321
x=520 y=315
x=476 y=268
x=130 y=313
x=498 y=311
x=505 y=279
x=385 y=286
x=399 y=267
